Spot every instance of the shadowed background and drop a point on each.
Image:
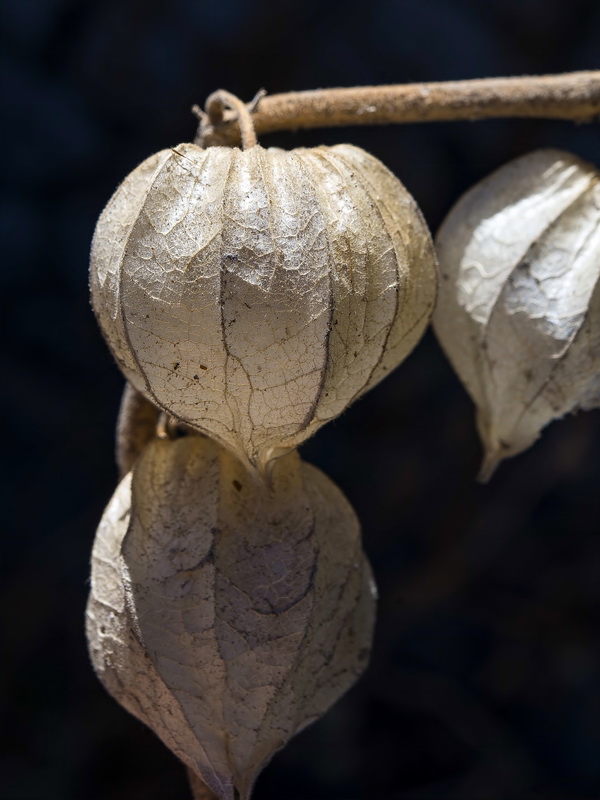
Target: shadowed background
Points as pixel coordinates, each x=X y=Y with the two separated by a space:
x=483 y=683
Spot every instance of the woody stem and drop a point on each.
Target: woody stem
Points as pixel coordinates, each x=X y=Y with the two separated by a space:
x=572 y=96
x=136 y=426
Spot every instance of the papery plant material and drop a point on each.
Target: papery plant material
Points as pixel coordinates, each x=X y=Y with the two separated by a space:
x=255 y=294
x=225 y=612
x=518 y=312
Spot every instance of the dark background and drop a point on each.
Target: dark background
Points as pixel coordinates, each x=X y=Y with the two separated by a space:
x=483 y=683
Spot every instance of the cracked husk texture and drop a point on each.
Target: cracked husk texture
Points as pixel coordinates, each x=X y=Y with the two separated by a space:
x=518 y=312
x=255 y=294
x=227 y=613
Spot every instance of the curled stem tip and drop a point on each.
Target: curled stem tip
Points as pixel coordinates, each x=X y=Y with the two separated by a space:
x=215 y=115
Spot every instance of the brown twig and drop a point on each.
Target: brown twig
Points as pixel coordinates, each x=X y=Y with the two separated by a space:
x=572 y=96
x=136 y=426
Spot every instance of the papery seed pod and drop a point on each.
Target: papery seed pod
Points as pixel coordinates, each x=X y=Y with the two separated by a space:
x=518 y=312
x=225 y=613
x=255 y=294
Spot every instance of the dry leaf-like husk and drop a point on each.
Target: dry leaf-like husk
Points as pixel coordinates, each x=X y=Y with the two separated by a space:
x=225 y=613
x=255 y=294
x=518 y=311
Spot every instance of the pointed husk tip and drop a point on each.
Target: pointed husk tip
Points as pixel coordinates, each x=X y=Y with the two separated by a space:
x=489 y=465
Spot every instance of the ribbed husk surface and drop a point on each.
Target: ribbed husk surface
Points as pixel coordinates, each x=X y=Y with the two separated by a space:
x=518 y=312
x=255 y=294
x=227 y=613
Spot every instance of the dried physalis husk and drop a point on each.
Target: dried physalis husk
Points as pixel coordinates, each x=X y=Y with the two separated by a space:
x=226 y=613
x=519 y=307
x=255 y=294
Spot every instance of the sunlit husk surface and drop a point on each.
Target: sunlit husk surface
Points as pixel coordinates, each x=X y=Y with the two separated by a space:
x=255 y=294
x=225 y=612
x=519 y=305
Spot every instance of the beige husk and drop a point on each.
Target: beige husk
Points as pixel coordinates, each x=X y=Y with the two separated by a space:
x=255 y=294
x=225 y=612
x=518 y=311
